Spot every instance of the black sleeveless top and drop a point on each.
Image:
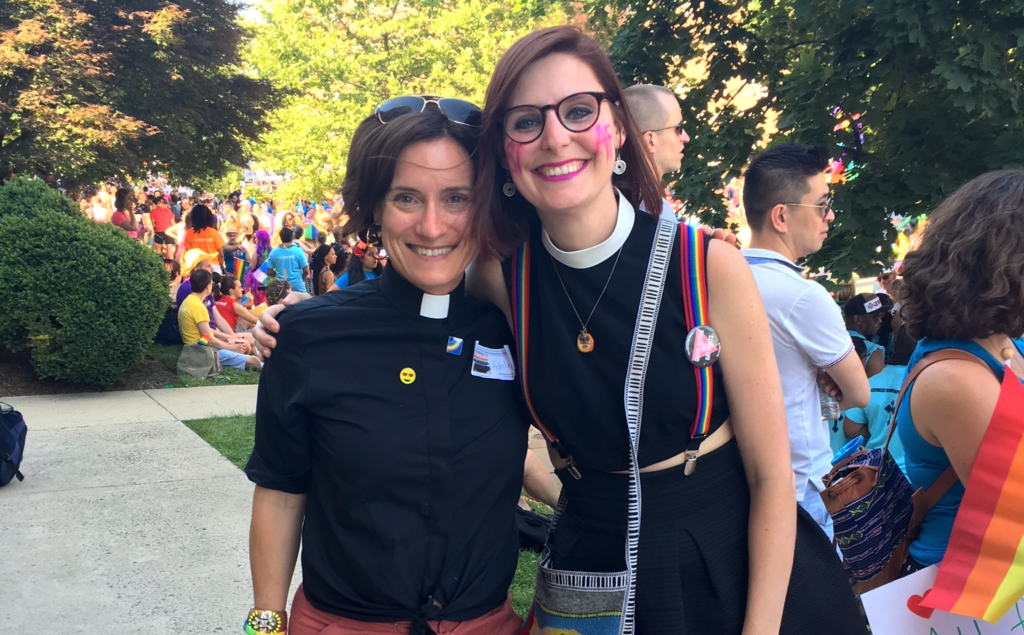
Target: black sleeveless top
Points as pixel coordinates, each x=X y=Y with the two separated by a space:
x=580 y=397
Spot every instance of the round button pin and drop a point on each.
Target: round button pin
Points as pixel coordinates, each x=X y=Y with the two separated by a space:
x=703 y=346
x=407 y=376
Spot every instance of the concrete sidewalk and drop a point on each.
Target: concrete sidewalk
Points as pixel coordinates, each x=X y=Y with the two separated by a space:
x=126 y=522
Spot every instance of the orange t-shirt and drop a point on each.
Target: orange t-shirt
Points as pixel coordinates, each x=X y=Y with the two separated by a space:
x=208 y=240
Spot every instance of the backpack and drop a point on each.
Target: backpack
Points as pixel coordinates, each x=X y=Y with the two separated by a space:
x=12 y=443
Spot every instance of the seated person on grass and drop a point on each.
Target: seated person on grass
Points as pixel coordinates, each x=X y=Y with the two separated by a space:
x=196 y=259
x=229 y=304
x=194 y=324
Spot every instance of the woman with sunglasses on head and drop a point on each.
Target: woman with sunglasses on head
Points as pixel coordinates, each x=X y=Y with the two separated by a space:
x=377 y=468
x=561 y=167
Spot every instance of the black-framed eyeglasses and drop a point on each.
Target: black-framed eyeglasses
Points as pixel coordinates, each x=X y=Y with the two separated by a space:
x=458 y=110
x=678 y=128
x=577 y=113
x=823 y=208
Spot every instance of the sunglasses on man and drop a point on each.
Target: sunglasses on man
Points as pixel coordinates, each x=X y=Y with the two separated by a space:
x=678 y=128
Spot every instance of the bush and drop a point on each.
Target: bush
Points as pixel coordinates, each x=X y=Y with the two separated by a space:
x=82 y=296
x=28 y=197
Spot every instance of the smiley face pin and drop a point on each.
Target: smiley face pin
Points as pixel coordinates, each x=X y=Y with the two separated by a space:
x=407 y=376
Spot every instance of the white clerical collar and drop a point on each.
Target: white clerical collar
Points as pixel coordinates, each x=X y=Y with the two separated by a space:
x=597 y=254
x=434 y=307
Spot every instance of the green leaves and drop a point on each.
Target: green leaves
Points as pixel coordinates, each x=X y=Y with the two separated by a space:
x=90 y=90
x=83 y=297
x=937 y=87
x=339 y=60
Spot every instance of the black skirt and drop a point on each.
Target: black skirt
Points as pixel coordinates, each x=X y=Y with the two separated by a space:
x=692 y=569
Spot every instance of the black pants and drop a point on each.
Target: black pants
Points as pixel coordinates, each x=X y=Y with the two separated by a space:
x=693 y=566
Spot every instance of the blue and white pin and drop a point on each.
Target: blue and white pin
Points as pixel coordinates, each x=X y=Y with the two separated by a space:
x=454 y=345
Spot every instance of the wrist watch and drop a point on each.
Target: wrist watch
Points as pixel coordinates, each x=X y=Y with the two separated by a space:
x=266 y=622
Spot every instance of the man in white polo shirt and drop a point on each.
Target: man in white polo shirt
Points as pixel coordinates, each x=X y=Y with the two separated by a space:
x=789 y=209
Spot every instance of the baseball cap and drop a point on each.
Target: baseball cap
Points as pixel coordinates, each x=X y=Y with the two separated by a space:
x=863 y=304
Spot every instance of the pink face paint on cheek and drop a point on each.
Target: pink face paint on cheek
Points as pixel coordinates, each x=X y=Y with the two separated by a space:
x=514 y=154
x=604 y=140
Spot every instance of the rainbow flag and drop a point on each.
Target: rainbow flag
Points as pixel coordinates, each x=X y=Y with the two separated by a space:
x=982 y=574
x=238 y=270
x=204 y=340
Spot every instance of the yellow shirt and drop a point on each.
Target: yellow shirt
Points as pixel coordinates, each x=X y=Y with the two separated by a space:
x=191 y=313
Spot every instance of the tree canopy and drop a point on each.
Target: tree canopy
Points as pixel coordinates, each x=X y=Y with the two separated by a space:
x=90 y=90
x=918 y=96
x=337 y=61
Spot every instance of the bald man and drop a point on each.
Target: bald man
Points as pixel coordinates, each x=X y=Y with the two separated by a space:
x=656 y=112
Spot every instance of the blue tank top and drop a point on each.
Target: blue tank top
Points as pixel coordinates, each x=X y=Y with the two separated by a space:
x=926 y=462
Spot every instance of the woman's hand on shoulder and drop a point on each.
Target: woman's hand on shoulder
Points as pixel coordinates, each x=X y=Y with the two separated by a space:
x=721 y=234
x=952 y=404
x=264 y=330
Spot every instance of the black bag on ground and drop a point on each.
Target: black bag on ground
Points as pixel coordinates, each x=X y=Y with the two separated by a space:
x=12 y=443
x=168 y=334
x=533 y=529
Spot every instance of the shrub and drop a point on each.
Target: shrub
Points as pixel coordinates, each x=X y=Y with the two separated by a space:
x=82 y=296
x=28 y=197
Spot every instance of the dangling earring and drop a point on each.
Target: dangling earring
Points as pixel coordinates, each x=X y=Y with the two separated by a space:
x=373 y=234
x=620 y=166
x=509 y=188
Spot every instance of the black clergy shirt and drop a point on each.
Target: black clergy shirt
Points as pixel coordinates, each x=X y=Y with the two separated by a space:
x=412 y=487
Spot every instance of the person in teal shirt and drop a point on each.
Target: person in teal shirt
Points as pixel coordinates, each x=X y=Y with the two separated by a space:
x=289 y=261
x=872 y=423
x=863 y=315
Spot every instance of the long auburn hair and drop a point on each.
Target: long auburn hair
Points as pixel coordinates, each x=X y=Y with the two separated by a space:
x=966 y=280
x=501 y=223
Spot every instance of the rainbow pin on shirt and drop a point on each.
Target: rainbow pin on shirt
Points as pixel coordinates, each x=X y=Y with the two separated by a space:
x=454 y=346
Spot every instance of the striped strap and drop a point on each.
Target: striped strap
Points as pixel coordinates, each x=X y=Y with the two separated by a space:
x=643 y=339
x=520 y=298
x=693 y=258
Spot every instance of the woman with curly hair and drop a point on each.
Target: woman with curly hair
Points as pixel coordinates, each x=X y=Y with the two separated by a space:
x=963 y=289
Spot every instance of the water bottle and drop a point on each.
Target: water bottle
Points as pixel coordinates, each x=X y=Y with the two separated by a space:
x=829 y=404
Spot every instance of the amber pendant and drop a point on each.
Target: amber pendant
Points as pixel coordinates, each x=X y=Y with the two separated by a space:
x=584 y=342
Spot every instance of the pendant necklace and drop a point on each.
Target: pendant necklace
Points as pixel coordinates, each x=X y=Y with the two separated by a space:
x=585 y=341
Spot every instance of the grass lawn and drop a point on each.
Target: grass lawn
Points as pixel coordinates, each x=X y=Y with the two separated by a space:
x=167 y=356
x=234 y=437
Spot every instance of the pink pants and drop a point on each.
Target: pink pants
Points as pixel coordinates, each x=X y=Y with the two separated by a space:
x=304 y=619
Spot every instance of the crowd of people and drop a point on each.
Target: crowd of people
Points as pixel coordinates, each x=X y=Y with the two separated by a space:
x=398 y=472
x=252 y=255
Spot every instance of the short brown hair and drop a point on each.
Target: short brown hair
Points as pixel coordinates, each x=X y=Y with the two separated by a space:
x=966 y=280
x=502 y=223
x=374 y=153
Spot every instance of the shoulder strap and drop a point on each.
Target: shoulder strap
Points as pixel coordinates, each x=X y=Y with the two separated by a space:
x=693 y=261
x=949 y=477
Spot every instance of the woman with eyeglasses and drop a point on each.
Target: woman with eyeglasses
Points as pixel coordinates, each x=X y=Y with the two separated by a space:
x=400 y=477
x=719 y=539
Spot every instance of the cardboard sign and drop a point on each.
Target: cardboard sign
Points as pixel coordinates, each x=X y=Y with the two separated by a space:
x=894 y=609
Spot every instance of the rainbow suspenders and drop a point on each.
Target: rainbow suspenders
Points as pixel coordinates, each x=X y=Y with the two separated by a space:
x=702 y=343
